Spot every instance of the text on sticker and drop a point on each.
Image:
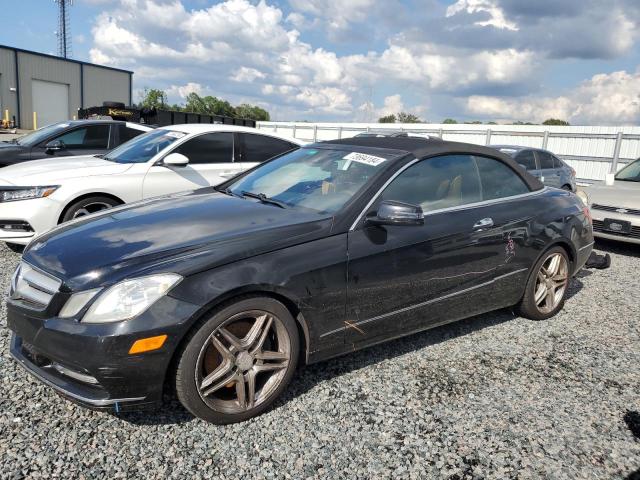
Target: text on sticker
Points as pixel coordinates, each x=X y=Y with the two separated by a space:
x=364 y=158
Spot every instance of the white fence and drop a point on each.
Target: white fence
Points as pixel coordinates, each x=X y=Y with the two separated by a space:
x=591 y=151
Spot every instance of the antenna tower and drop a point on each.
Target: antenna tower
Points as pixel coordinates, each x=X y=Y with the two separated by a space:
x=64 y=30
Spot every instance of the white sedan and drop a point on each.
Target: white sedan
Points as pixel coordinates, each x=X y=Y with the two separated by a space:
x=36 y=196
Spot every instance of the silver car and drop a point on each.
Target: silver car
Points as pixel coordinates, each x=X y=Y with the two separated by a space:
x=616 y=208
x=543 y=164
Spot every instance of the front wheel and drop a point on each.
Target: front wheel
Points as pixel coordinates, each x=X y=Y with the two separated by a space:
x=238 y=361
x=546 y=289
x=87 y=206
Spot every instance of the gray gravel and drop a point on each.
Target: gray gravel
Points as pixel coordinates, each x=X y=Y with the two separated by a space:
x=496 y=396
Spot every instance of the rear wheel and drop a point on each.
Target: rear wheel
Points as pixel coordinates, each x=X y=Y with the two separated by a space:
x=87 y=206
x=546 y=288
x=567 y=187
x=238 y=361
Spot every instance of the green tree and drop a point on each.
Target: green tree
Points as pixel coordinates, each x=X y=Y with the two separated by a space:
x=449 y=121
x=252 y=112
x=153 y=98
x=208 y=105
x=404 y=117
x=387 y=119
x=555 y=121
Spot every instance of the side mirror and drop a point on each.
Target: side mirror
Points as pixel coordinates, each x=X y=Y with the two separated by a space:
x=54 y=146
x=391 y=212
x=175 y=160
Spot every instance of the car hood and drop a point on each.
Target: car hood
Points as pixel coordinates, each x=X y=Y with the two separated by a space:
x=52 y=170
x=620 y=194
x=183 y=233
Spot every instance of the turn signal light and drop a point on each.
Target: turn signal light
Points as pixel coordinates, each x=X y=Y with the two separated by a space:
x=147 y=344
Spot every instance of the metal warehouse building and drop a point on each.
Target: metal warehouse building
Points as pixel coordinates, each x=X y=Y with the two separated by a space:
x=47 y=89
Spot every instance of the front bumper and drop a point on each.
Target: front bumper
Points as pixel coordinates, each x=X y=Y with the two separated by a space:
x=598 y=223
x=90 y=364
x=40 y=214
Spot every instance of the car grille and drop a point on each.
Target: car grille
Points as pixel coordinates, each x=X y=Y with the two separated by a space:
x=607 y=208
x=32 y=287
x=599 y=224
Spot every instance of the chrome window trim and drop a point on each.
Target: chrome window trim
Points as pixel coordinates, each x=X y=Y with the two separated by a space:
x=440 y=210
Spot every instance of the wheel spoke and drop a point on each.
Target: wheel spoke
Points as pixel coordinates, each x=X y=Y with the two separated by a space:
x=230 y=377
x=263 y=336
x=250 y=378
x=231 y=338
x=224 y=351
x=241 y=391
x=554 y=265
x=550 y=299
x=257 y=330
x=265 y=355
x=540 y=293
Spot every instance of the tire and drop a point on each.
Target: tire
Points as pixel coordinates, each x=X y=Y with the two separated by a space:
x=86 y=206
x=15 y=247
x=228 y=352
x=113 y=104
x=533 y=306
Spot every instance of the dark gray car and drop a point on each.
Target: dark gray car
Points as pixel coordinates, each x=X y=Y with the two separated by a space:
x=543 y=164
x=65 y=139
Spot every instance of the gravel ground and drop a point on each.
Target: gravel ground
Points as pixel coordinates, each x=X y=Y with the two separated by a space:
x=496 y=396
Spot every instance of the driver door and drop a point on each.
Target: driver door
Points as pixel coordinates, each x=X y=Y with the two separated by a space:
x=210 y=163
x=87 y=140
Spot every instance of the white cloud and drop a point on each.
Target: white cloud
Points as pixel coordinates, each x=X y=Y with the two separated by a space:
x=489 y=8
x=604 y=99
x=183 y=90
x=248 y=75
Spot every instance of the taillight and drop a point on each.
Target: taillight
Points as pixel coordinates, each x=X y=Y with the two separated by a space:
x=573 y=172
x=587 y=214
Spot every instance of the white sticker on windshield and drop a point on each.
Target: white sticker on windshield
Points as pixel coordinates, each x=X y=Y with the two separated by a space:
x=175 y=134
x=364 y=158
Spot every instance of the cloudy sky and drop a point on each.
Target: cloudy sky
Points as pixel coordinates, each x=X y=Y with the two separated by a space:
x=355 y=60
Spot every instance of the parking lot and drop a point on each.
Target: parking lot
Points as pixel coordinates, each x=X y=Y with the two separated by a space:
x=495 y=396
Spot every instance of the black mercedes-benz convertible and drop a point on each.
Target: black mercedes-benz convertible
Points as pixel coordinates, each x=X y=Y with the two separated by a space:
x=334 y=247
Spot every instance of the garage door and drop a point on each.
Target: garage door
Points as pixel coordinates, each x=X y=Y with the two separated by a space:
x=50 y=101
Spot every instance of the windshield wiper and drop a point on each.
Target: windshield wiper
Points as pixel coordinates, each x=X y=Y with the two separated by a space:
x=264 y=199
x=626 y=180
x=227 y=191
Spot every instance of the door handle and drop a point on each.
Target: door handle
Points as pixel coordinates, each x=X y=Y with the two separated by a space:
x=484 y=223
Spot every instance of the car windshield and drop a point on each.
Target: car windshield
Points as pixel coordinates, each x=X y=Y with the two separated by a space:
x=318 y=179
x=41 y=134
x=630 y=173
x=143 y=147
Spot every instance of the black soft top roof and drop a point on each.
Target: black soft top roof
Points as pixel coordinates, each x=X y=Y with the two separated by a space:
x=425 y=147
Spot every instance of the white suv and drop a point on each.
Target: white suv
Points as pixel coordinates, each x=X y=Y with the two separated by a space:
x=36 y=196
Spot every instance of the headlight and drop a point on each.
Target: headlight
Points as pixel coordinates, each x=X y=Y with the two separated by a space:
x=26 y=193
x=582 y=195
x=123 y=300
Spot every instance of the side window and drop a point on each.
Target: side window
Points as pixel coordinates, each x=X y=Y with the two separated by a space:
x=127 y=133
x=526 y=158
x=92 y=136
x=499 y=180
x=208 y=148
x=545 y=159
x=557 y=163
x=258 y=148
x=436 y=183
